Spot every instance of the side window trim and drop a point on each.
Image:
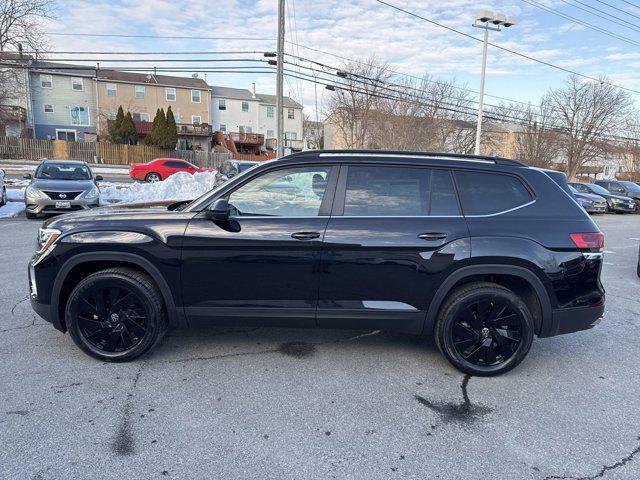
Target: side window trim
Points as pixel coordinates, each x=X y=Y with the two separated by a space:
x=327 y=199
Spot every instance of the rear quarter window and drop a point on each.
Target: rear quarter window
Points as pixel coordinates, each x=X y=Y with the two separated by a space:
x=490 y=193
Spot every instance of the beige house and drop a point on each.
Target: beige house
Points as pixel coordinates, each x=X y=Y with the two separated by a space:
x=143 y=94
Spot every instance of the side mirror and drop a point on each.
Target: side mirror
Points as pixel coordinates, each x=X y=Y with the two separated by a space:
x=2 y=172
x=27 y=176
x=219 y=210
x=99 y=178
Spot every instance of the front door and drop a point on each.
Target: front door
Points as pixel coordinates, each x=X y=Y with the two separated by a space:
x=262 y=264
x=395 y=233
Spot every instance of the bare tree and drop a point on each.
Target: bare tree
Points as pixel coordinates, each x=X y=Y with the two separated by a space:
x=354 y=103
x=313 y=132
x=20 y=23
x=630 y=148
x=587 y=112
x=536 y=142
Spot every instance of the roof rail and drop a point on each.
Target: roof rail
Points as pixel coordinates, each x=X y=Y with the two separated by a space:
x=410 y=154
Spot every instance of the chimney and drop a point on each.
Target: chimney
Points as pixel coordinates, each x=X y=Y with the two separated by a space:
x=253 y=90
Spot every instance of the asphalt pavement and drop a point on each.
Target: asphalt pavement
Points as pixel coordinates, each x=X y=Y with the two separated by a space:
x=239 y=403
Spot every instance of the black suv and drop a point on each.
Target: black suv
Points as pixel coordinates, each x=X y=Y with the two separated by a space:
x=482 y=252
x=624 y=188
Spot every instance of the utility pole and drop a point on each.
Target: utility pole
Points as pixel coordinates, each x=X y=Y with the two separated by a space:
x=481 y=99
x=280 y=81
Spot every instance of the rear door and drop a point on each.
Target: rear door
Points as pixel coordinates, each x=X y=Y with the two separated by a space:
x=395 y=233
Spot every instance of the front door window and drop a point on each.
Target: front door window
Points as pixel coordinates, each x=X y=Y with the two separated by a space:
x=291 y=192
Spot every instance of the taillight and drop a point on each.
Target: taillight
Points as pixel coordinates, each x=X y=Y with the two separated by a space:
x=588 y=240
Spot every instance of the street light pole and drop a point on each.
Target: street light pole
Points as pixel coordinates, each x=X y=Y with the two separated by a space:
x=280 y=81
x=483 y=20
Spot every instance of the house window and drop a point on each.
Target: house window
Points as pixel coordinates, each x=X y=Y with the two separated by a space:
x=222 y=104
x=139 y=91
x=170 y=94
x=269 y=112
x=48 y=108
x=46 y=81
x=77 y=85
x=241 y=128
x=140 y=117
x=196 y=119
x=176 y=117
x=195 y=96
x=245 y=106
x=112 y=89
x=79 y=115
x=290 y=135
x=68 y=135
x=270 y=134
x=291 y=113
x=145 y=117
x=223 y=128
x=111 y=115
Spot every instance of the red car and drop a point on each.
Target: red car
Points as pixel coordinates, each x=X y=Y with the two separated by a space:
x=161 y=168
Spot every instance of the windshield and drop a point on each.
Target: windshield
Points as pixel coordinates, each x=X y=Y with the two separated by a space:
x=63 y=171
x=598 y=189
x=573 y=190
x=632 y=187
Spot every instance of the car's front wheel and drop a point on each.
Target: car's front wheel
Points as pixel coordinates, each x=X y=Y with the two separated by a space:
x=484 y=329
x=116 y=314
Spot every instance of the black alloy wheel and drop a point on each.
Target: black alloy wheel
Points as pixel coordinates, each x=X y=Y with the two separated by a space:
x=484 y=329
x=111 y=318
x=116 y=314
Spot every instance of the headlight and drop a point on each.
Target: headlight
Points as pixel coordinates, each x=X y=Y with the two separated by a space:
x=33 y=192
x=46 y=239
x=92 y=193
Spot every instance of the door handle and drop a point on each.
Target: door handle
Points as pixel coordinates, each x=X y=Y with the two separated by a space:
x=305 y=235
x=432 y=236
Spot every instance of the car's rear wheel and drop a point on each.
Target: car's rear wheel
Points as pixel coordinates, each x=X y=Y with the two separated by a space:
x=3 y=199
x=484 y=329
x=31 y=216
x=152 y=177
x=116 y=314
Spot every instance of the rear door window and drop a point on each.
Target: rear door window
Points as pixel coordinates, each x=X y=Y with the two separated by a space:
x=384 y=191
x=490 y=193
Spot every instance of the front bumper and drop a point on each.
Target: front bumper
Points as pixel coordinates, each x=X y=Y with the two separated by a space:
x=42 y=309
x=38 y=205
x=623 y=207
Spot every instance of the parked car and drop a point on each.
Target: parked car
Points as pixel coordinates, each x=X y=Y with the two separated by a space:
x=60 y=186
x=615 y=203
x=357 y=240
x=3 y=195
x=231 y=168
x=162 y=168
x=590 y=202
x=624 y=188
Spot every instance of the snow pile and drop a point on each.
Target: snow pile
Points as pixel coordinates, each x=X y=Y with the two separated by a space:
x=15 y=194
x=179 y=186
x=11 y=209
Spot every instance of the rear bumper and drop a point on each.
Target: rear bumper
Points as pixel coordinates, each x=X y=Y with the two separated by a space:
x=569 y=320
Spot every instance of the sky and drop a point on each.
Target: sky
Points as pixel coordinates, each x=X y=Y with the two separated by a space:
x=327 y=29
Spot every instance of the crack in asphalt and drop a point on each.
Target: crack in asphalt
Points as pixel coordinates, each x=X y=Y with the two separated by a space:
x=124 y=442
x=464 y=412
x=605 y=468
x=293 y=349
x=18 y=303
x=22 y=327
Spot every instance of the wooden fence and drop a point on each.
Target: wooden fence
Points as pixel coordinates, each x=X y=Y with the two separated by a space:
x=102 y=152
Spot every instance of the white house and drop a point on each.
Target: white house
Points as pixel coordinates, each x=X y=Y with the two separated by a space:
x=239 y=110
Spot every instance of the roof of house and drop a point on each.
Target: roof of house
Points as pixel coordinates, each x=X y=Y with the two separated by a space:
x=245 y=94
x=58 y=68
x=151 y=79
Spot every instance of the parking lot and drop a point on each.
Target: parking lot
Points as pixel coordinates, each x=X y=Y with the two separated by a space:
x=278 y=403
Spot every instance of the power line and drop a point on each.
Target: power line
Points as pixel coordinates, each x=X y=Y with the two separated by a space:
x=581 y=22
x=170 y=37
x=618 y=9
x=505 y=49
x=608 y=16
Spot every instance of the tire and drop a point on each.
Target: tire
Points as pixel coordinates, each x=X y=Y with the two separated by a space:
x=470 y=340
x=152 y=177
x=136 y=324
x=3 y=199
x=31 y=216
